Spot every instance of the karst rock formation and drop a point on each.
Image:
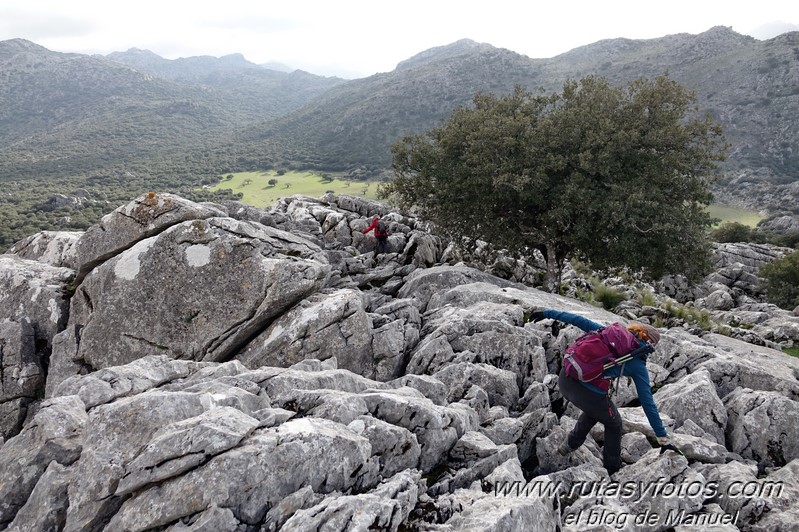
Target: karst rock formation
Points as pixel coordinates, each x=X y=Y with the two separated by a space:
x=183 y=366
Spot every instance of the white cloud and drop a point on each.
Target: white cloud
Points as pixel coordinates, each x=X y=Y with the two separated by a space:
x=363 y=37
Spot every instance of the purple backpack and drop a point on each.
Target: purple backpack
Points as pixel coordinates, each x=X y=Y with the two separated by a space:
x=586 y=358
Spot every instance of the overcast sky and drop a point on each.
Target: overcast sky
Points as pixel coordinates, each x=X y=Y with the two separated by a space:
x=354 y=39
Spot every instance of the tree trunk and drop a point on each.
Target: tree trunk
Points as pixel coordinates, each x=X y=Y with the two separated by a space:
x=554 y=271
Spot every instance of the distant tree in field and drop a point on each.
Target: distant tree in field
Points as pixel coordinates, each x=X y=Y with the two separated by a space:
x=272 y=182
x=229 y=177
x=608 y=175
x=280 y=171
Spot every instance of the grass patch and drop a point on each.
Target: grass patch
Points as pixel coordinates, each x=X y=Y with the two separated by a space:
x=258 y=192
x=734 y=214
x=793 y=351
x=646 y=298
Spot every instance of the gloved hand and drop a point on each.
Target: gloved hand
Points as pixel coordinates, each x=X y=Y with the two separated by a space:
x=536 y=316
x=667 y=445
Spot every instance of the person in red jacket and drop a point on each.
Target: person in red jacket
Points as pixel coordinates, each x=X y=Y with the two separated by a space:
x=381 y=234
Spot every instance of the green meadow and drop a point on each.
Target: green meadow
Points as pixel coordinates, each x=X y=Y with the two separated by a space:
x=734 y=214
x=258 y=192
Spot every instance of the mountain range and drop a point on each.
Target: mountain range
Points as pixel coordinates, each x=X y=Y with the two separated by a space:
x=135 y=112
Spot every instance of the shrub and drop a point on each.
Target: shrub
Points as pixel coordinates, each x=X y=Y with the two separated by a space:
x=732 y=232
x=646 y=298
x=609 y=297
x=781 y=279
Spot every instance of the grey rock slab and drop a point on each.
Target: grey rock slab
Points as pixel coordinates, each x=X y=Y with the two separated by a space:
x=774 y=503
x=37 y=291
x=199 y=290
x=56 y=434
x=13 y=413
x=142 y=218
x=321 y=326
x=735 y=487
x=386 y=507
x=335 y=405
x=634 y=419
x=634 y=445
x=429 y=386
x=424 y=283
x=504 y=430
x=277 y=516
x=508 y=473
x=21 y=374
x=114 y=435
x=550 y=460
x=436 y=428
x=694 y=397
x=185 y=444
x=731 y=363
x=422 y=249
x=760 y=425
x=698 y=449
x=56 y=248
x=482 y=333
x=46 y=507
x=250 y=479
x=281 y=384
x=391 y=344
x=495 y=514
x=140 y=375
x=661 y=484
x=500 y=385
x=214 y=519
x=471 y=463
x=396 y=447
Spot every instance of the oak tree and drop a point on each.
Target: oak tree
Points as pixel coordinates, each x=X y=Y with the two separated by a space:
x=612 y=176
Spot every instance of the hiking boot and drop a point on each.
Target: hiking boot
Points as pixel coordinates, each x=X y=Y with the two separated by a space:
x=564 y=449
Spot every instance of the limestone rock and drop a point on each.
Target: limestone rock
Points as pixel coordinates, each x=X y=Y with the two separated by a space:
x=198 y=290
x=320 y=326
x=759 y=425
x=142 y=218
x=56 y=435
x=56 y=248
x=21 y=374
x=38 y=292
x=694 y=397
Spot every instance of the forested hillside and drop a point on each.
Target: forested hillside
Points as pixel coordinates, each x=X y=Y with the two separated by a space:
x=115 y=126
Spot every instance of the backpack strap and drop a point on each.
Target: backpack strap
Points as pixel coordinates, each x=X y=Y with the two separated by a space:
x=641 y=352
x=618 y=381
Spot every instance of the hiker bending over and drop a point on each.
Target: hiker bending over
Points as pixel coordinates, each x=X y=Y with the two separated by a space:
x=381 y=234
x=593 y=397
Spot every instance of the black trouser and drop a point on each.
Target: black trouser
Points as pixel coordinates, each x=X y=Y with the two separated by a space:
x=596 y=408
x=382 y=245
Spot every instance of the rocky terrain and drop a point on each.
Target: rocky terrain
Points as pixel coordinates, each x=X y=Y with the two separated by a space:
x=184 y=366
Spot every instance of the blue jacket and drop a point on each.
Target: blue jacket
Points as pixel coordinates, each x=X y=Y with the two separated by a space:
x=635 y=368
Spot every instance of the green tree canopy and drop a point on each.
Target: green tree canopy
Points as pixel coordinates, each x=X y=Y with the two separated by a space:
x=733 y=232
x=611 y=176
x=782 y=281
